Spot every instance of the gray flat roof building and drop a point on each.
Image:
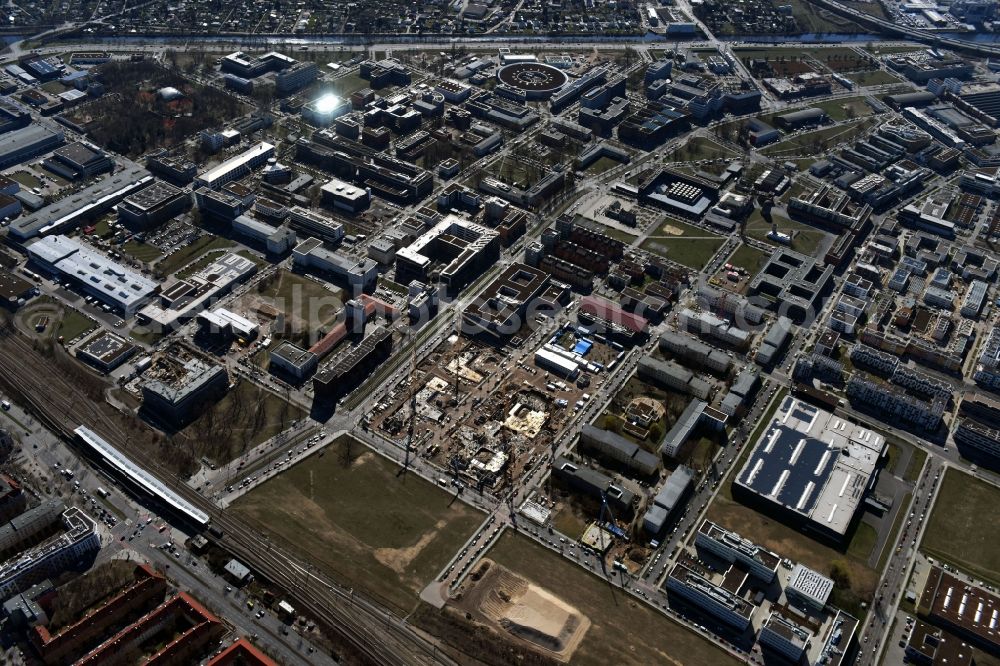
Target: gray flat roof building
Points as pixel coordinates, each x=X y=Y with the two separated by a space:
x=619 y=449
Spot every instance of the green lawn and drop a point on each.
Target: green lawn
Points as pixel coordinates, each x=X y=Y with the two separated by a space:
x=684 y=244
x=807 y=142
x=963 y=525
x=353 y=516
x=916 y=464
x=865 y=538
x=602 y=164
x=897 y=523
x=184 y=257
x=876 y=77
x=700 y=148
x=748 y=257
x=142 y=251
x=623 y=631
x=26 y=179
x=350 y=83
x=846 y=108
x=805 y=239
x=73 y=324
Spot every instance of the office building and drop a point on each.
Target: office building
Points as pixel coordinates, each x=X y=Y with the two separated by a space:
x=277 y=240
x=500 y=310
x=711 y=593
x=344 y=196
x=315 y=224
x=154 y=205
x=798 y=470
x=360 y=274
x=346 y=372
x=964 y=609
x=667 y=500
x=293 y=361
x=454 y=252
x=236 y=167
x=730 y=547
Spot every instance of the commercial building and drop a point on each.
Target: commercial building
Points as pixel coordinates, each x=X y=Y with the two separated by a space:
x=236 y=167
x=618 y=449
x=927 y=645
x=811 y=469
x=105 y=350
x=250 y=66
x=293 y=361
x=77 y=540
x=154 y=205
x=91 y=271
x=84 y=205
x=667 y=500
x=360 y=274
x=730 y=547
x=966 y=610
x=501 y=309
x=27 y=142
x=179 y=384
x=454 y=252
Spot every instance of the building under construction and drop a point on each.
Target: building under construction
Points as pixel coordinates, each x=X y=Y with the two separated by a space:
x=179 y=383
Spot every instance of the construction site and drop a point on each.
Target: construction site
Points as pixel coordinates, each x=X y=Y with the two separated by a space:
x=469 y=411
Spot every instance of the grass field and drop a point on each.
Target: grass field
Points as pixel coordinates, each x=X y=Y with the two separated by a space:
x=684 y=244
x=602 y=164
x=700 y=148
x=963 y=525
x=142 y=251
x=845 y=109
x=623 y=631
x=306 y=303
x=876 y=77
x=73 y=324
x=26 y=179
x=749 y=258
x=351 y=83
x=190 y=253
x=351 y=514
x=807 y=142
x=916 y=464
x=805 y=239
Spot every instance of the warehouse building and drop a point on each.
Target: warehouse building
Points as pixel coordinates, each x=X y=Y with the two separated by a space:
x=85 y=205
x=109 y=282
x=615 y=447
x=811 y=469
x=27 y=142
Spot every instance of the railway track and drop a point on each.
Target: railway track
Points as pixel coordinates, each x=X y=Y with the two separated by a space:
x=374 y=632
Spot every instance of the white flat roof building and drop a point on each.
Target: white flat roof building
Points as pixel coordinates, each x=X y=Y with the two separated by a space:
x=236 y=167
x=100 y=276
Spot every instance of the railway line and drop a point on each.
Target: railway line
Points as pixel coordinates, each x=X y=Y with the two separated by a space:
x=374 y=632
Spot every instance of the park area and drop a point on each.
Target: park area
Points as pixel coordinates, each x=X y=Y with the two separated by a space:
x=683 y=243
x=805 y=239
x=348 y=511
x=963 y=525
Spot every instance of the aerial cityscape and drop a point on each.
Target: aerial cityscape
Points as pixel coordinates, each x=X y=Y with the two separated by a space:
x=500 y=333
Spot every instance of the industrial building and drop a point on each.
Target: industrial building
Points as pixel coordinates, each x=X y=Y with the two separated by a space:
x=236 y=167
x=811 y=469
x=613 y=446
x=109 y=282
x=78 y=161
x=454 y=252
x=179 y=385
x=84 y=205
x=27 y=142
x=154 y=205
x=13 y=290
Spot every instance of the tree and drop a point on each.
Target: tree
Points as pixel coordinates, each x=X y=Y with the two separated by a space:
x=840 y=574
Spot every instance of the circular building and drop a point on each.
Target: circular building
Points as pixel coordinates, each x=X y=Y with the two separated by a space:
x=537 y=80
